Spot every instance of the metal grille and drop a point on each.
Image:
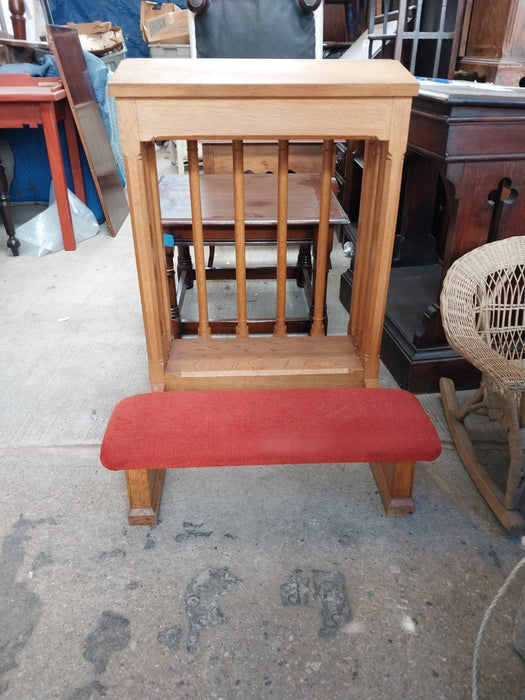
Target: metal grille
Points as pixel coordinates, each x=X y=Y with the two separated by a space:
x=423 y=34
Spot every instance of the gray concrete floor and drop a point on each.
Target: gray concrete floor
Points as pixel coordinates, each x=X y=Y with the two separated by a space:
x=235 y=593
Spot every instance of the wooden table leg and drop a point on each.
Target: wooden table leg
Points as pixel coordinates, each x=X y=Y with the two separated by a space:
x=58 y=174
x=5 y=212
x=74 y=155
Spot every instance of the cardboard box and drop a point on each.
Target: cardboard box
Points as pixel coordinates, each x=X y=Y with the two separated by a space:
x=167 y=25
x=99 y=37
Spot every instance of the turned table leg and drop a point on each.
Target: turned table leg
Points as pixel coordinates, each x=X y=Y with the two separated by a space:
x=6 y=213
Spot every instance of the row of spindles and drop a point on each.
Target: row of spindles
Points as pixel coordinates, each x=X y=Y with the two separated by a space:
x=322 y=243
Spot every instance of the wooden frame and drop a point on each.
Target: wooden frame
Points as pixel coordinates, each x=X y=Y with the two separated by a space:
x=184 y=98
x=194 y=100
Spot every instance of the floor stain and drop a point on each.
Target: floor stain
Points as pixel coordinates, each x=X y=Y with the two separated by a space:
x=88 y=692
x=42 y=559
x=112 y=634
x=112 y=554
x=326 y=587
x=20 y=608
x=202 y=601
x=192 y=530
x=170 y=638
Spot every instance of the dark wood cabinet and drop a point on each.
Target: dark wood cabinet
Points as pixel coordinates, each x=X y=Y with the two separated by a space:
x=494 y=41
x=463 y=185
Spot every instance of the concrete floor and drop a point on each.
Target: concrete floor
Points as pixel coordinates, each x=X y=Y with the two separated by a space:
x=272 y=582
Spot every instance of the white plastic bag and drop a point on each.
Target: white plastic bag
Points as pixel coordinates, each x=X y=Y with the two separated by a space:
x=42 y=234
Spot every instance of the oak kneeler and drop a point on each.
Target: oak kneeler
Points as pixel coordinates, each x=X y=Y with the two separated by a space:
x=254 y=398
x=150 y=433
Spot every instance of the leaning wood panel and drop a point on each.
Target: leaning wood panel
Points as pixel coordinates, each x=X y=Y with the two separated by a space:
x=81 y=95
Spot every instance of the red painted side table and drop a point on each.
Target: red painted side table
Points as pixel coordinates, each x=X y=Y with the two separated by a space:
x=28 y=101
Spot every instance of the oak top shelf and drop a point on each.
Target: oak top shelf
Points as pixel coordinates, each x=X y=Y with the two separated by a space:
x=284 y=78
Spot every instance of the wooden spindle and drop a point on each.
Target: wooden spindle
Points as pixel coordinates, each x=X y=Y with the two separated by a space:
x=282 y=235
x=17 y=9
x=241 y=330
x=204 y=330
x=322 y=240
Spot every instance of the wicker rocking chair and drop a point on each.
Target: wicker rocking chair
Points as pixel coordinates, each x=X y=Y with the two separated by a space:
x=483 y=313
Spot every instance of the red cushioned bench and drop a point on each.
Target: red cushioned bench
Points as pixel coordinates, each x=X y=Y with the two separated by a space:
x=150 y=433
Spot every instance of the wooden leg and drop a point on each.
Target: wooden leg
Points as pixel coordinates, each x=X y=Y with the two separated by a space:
x=395 y=481
x=144 y=492
x=58 y=174
x=74 y=155
x=5 y=212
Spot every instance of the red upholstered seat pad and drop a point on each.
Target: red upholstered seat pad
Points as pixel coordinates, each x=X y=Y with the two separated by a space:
x=274 y=426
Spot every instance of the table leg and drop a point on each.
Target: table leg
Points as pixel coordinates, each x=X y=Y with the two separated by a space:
x=74 y=155
x=58 y=175
x=6 y=214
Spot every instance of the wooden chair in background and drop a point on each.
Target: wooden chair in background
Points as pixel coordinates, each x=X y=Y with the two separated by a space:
x=256 y=29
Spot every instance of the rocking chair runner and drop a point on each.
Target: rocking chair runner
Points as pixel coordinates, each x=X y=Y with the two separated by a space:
x=483 y=312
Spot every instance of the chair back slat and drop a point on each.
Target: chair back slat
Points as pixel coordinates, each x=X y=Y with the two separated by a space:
x=318 y=325
x=282 y=233
x=204 y=330
x=242 y=330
